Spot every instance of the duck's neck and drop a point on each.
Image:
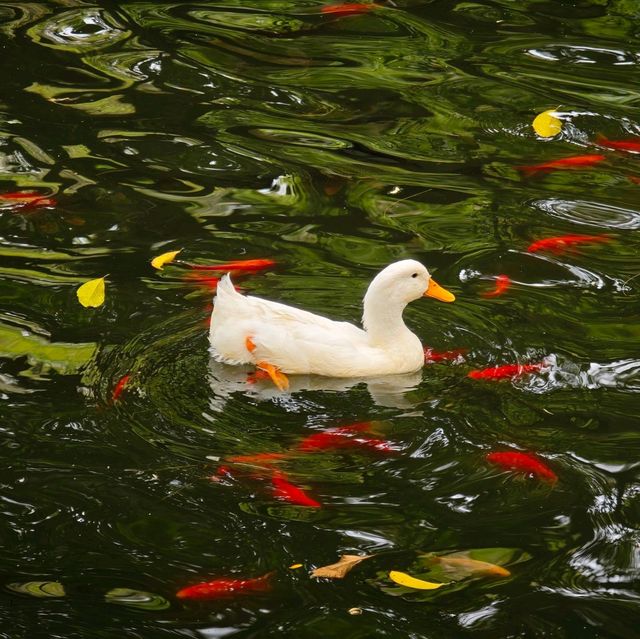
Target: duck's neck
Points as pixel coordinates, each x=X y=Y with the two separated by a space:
x=382 y=319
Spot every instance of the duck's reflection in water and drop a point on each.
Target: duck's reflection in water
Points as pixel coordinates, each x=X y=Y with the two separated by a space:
x=388 y=390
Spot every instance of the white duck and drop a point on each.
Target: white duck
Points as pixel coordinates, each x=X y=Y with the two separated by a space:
x=282 y=339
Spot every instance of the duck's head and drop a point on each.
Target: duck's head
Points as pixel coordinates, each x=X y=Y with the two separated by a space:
x=406 y=281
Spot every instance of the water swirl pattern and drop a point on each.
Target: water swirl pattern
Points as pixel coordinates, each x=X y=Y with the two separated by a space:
x=332 y=139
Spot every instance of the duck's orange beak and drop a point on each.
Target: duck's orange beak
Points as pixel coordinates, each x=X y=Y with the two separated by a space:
x=435 y=290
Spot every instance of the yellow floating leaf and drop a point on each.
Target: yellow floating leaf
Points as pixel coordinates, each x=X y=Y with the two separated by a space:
x=165 y=258
x=92 y=293
x=340 y=568
x=546 y=124
x=295 y=566
x=411 y=582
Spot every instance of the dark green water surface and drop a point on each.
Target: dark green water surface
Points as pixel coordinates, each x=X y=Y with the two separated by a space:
x=333 y=144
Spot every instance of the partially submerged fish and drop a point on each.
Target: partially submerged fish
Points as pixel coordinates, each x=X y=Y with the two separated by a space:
x=561 y=243
x=462 y=565
x=573 y=162
x=523 y=463
x=226 y=587
x=27 y=199
x=632 y=146
x=508 y=371
x=348 y=8
x=431 y=356
x=119 y=387
x=503 y=282
x=344 y=437
x=286 y=491
x=237 y=266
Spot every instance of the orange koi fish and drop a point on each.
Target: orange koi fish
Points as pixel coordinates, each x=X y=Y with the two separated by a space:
x=509 y=371
x=344 y=437
x=202 y=280
x=256 y=458
x=28 y=199
x=347 y=8
x=460 y=565
x=503 y=282
x=523 y=463
x=119 y=387
x=432 y=357
x=559 y=244
x=286 y=491
x=226 y=587
x=239 y=266
x=573 y=162
x=633 y=146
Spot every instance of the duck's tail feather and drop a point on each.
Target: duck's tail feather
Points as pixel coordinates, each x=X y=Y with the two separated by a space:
x=226 y=288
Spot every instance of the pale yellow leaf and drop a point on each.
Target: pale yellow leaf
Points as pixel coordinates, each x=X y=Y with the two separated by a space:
x=165 y=258
x=546 y=124
x=92 y=293
x=411 y=582
x=340 y=568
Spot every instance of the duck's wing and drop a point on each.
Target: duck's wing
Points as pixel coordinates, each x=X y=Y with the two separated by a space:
x=285 y=336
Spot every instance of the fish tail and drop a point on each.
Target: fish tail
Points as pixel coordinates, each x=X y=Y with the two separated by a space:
x=528 y=171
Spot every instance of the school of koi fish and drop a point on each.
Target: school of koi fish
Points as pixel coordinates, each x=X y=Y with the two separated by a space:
x=264 y=471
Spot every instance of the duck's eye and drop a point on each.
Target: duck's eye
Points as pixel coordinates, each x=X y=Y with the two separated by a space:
x=415 y=275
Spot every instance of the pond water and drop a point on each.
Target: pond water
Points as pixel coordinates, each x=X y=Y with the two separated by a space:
x=332 y=141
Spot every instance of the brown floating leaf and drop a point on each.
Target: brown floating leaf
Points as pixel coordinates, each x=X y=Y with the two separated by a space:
x=340 y=568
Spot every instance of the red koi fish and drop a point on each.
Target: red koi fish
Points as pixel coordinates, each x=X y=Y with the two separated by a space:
x=573 y=162
x=344 y=437
x=347 y=9
x=239 y=266
x=28 y=199
x=119 y=387
x=326 y=440
x=432 y=357
x=633 y=146
x=559 y=244
x=509 y=371
x=523 y=463
x=257 y=458
x=503 y=282
x=226 y=587
x=286 y=491
x=203 y=280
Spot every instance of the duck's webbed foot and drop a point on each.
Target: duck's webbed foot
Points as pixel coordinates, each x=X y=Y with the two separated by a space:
x=277 y=377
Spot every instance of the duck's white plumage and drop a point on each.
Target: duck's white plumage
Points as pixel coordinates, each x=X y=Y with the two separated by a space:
x=299 y=342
